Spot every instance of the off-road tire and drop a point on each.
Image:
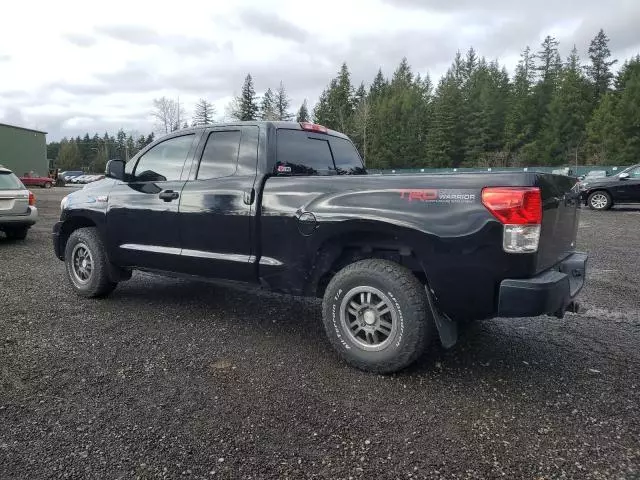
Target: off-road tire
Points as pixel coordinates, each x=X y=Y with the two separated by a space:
x=99 y=283
x=415 y=324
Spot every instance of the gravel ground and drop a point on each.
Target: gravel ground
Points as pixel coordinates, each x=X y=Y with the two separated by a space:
x=176 y=379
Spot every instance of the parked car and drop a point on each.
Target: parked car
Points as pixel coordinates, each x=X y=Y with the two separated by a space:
x=87 y=178
x=32 y=179
x=289 y=206
x=77 y=178
x=67 y=175
x=603 y=193
x=18 y=210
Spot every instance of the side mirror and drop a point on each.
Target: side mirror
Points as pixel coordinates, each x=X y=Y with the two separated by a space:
x=624 y=176
x=115 y=169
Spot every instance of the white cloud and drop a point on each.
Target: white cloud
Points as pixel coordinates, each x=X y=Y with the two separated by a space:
x=77 y=69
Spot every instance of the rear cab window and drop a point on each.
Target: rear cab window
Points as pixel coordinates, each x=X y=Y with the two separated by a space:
x=8 y=181
x=299 y=152
x=220 y=155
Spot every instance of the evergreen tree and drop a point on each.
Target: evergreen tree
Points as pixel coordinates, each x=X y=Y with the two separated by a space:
x=281 y=104
x=360 y=119
x=121 y=144
x=335 y=106
x=303 y=113
x=568 y=114
x=267 y=106
x=204 y=113
x=549 y=67
x=485 y=113
x=446 y=147
x=378 y=85
x=520 y=118
x=140 y=143
x=69 y=157
x=84 y=146
x=604 y=132
x=630 y=68
x=628 y=113
x=247 y=102
x=130 y=150
x=549 y=59
x=599 y=71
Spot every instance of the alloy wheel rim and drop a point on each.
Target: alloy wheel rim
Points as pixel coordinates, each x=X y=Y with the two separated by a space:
x=81 y=264
x=599 y=201
x=369 y=318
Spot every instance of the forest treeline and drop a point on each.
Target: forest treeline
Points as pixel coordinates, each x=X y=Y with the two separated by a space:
x=551 y=111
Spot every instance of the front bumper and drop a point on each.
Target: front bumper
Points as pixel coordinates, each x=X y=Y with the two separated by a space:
x=20 y=220
x=552 y=292
x=55 y=236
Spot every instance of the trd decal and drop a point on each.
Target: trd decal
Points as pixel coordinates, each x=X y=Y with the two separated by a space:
x=422 y=195
x=438 y=196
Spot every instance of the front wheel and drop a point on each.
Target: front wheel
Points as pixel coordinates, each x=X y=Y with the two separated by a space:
x=375 y=315
x=87 y=264
x=599 y=200
x=47 y=185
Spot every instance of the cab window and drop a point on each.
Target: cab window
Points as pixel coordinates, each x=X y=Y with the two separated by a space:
x=164 y=161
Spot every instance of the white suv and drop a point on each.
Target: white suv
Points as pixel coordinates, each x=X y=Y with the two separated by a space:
x=18 y=210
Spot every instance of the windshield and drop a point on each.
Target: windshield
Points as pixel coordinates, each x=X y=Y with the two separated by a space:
x=8 y=181
x=627 y=170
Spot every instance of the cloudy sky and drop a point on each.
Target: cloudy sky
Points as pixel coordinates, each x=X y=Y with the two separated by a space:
x=68 y=68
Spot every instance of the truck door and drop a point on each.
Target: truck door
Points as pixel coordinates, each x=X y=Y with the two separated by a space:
x=217 y=206
x=142 y=213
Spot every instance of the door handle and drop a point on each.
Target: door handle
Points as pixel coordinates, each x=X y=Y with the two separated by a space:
x=168 y=195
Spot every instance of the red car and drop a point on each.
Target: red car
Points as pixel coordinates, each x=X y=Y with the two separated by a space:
x=32 y=179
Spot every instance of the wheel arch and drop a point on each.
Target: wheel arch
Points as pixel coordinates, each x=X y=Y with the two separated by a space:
x=70 y=225
x=346 y=247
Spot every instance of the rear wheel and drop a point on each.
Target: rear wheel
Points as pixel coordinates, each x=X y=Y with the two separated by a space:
x=87 y=264
x=47 y=185
x=375 y=315
x=17 y=233
x=599 y=200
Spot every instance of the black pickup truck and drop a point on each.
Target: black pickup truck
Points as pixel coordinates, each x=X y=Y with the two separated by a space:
x=397 y=259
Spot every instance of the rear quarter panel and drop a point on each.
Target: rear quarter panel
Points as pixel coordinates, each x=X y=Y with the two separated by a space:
x=457 y=242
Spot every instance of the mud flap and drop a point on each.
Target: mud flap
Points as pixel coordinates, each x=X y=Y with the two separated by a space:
x=447 y=328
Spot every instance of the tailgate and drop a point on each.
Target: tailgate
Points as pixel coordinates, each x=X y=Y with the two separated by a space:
x=14 y=202
x=560 y=216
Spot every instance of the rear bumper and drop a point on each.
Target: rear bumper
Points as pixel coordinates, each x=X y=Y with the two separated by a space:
x=550 y=293
x=20 y=220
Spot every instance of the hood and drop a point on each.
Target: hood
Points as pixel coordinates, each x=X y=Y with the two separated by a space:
x=599 y=182
x=99 y=184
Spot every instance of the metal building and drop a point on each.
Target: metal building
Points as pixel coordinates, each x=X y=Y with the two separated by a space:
x=23 y=150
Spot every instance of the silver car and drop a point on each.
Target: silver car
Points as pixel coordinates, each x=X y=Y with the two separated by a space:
x=18 y=210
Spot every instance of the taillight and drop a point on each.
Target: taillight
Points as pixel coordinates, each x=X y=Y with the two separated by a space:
x=32 y=199
x=313 y=127
x=520 y=210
